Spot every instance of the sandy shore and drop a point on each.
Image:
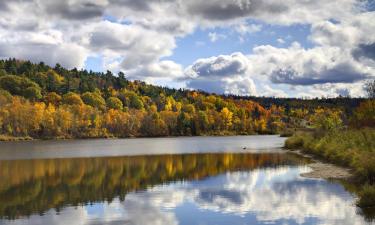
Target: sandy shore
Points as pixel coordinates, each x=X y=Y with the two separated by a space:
x=324 y=170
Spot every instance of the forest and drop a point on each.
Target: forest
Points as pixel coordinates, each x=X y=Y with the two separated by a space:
x=42 y=102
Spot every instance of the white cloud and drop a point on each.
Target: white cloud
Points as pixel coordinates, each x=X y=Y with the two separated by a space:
x=241 y=193
x=280 y=41
x=143 y=32
x=216 y=36
x=222 y=74
x=220 y=66
x=244 y=28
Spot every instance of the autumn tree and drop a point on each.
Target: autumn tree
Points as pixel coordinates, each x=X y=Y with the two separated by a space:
x=327 y=119
x=364 y=115
x=226 y=117
x=94 y=99
x=72 y=98
x=20 y=86
x=53 y=98
x=153 y=125
x=114 y=103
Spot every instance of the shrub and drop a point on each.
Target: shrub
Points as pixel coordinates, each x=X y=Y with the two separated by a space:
x=294 y=142
x=367 y=196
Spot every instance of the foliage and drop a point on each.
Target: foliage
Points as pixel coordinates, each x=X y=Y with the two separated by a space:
x=294 y=142
x=114 y=103
x=367 y=196
x=20 y=86
x=327 y=119
x=71 y=98
x=353 y=148
x=77 y=103
x=94 y=99
x=364 y=115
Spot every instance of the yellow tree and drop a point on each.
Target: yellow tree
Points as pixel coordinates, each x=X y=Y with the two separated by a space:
x=226 y=116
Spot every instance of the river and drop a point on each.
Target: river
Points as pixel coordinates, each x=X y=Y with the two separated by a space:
x=166 y=181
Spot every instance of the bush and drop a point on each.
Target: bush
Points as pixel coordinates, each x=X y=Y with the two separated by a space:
x=367 y=196
x=351 y=148
x=294 y=142
x=287 y=133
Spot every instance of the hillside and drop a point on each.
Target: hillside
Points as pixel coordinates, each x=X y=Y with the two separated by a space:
x=38 y=101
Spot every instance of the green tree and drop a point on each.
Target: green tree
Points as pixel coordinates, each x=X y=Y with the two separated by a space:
x=94 y=99
x=53 y=98
x=33 y=93
x=72 y=98
x=20 y=86
x=327 y=119
x=54 y=81
x=114 y=103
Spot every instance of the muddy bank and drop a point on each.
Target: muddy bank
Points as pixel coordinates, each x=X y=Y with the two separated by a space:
x=324 y=170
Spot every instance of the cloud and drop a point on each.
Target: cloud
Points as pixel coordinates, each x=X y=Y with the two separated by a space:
x=159 y=69
x=73 y=10
x=221 y=74
x=365 y=50
x=219 y=66
x=280 y=41
x=215 y=36
x=244 y=28
x=341 y=73
x=299 y=66
x=137 y=36
x=67 y=55
x=241 y=194
x=135 y=44
x=235 y=85
x=272 y=11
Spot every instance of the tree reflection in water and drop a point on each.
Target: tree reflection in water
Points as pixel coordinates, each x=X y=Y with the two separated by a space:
x=34 y=186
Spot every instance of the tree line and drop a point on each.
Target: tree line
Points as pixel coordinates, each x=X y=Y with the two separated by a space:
x=39 y=101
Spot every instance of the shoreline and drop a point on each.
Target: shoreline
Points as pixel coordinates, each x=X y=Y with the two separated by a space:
x=28 y=139
x=323 y=170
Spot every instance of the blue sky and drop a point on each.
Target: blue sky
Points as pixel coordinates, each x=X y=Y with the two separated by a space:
x=285 y=48
x=198 y=44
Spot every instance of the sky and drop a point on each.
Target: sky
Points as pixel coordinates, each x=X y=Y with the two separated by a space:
x=289 y=48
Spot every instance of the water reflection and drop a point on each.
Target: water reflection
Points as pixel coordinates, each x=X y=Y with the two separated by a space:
x=171 y=189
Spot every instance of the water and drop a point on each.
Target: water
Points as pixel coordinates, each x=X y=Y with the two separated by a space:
x=259 y=185
x=138 y=146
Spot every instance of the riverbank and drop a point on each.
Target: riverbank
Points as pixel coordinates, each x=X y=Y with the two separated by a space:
x=324 y=170
x=8 y=138
x=351 y=149
x=12 y=138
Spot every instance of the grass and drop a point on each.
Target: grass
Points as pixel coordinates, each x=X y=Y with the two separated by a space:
x=350 y=148
x=294 y=142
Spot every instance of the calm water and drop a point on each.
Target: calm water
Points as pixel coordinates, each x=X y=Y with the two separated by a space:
x=208 y=180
